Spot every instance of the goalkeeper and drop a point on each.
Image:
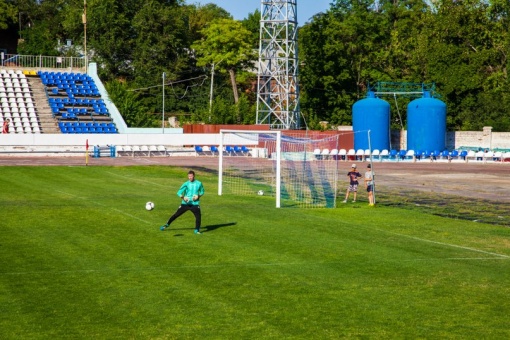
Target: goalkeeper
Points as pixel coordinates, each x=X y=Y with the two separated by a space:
x=190 y=193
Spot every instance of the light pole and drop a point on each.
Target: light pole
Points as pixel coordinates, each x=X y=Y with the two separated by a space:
x=84 y=20
x=211 y=93
x=163 y=121
x=19 y=20
x=212 y=88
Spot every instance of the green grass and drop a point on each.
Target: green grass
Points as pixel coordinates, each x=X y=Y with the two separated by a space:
x=81 y=258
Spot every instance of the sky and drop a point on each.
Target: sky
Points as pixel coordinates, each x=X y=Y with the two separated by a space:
x=241 y=8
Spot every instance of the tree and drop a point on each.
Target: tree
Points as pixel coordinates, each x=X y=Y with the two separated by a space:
x=225 y=46
x=252 y=24
x=8 y=14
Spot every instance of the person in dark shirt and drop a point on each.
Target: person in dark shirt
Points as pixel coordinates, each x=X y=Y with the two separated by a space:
x=353 y=183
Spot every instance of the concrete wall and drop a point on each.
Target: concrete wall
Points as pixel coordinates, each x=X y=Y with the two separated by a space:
x=41 y=140
x=175 y=138
x=485 y=139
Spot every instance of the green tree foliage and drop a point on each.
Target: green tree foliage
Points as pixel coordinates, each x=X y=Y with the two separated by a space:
x=8 y=14
x=134 y=114
x=252 y=24
x=461 y=46
x=226 y=46
x=199 y=16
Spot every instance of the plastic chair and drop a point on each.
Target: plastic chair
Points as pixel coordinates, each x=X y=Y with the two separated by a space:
x=229 y=149
x=360 y=155
x=434 y=155
x=463 y=155
x=418 y=154
x=445 y=155
x=454 y=154
x=198 y=150
x=317 y=154
x=351 y=154
x=162 y=149
x=214 y=150
x=402 y=154
x=505 y=157
x=334 y=154
x=497 y=157
x=385 y=154
x=393 y=154
x=245 y=150
x=325 y=153
x=376 y=154
x=342 y=154
x=410 y=154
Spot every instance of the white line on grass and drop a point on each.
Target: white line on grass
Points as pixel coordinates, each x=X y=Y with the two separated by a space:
x=96 y=203
x=166 y=268
x=447 y=244
x=135 y=179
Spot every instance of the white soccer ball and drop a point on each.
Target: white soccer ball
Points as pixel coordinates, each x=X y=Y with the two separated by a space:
x=260 y=192
x=149 y=206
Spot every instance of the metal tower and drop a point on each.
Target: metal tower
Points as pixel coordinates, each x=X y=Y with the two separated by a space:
x=277 y=86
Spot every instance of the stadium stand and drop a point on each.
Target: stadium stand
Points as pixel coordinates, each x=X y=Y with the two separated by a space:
x=17 y=103
x=76 y=103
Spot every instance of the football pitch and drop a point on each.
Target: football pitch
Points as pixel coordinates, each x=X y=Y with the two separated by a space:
x=81 y=258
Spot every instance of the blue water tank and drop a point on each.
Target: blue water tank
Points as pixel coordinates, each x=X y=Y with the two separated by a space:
x=426 y=124
x=371 y=114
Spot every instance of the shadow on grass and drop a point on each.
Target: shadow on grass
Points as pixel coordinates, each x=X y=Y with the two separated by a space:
x=216 y=226
x=205 y=229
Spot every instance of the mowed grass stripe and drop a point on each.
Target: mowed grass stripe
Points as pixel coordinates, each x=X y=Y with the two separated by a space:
x=83 y=258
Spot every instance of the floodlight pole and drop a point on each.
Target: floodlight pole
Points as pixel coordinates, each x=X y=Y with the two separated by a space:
x=84 y=20
x=212 y=88
x=211 y=93
x=163 y=120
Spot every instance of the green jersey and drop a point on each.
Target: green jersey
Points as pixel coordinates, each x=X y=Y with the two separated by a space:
x=190 y=189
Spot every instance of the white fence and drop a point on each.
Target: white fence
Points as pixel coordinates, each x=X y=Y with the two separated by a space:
x=39 y=62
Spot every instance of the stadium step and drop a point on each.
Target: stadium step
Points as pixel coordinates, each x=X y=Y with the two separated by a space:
x=46 y=121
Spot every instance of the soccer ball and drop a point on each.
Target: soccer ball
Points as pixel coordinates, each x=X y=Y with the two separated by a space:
x=149 y=206
x=260 y=192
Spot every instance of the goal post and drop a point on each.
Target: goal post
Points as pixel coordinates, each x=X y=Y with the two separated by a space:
x=284 y=165
x=252 y=141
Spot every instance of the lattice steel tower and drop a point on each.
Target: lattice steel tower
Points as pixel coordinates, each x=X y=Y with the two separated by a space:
x=277 y=87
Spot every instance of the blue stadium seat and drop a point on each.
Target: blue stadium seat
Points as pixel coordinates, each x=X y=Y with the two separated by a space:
x=463 y=154
x=393 y=154
x=418 y=154
x=402 y=154
x=198 y=150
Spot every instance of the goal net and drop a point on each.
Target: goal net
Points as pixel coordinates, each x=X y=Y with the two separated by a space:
x=293 y=168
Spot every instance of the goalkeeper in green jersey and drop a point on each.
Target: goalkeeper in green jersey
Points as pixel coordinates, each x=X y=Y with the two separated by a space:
x=190 y=193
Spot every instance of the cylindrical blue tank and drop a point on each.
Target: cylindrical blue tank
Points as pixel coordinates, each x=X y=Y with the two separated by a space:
x=371 y=114
x=426 y=124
